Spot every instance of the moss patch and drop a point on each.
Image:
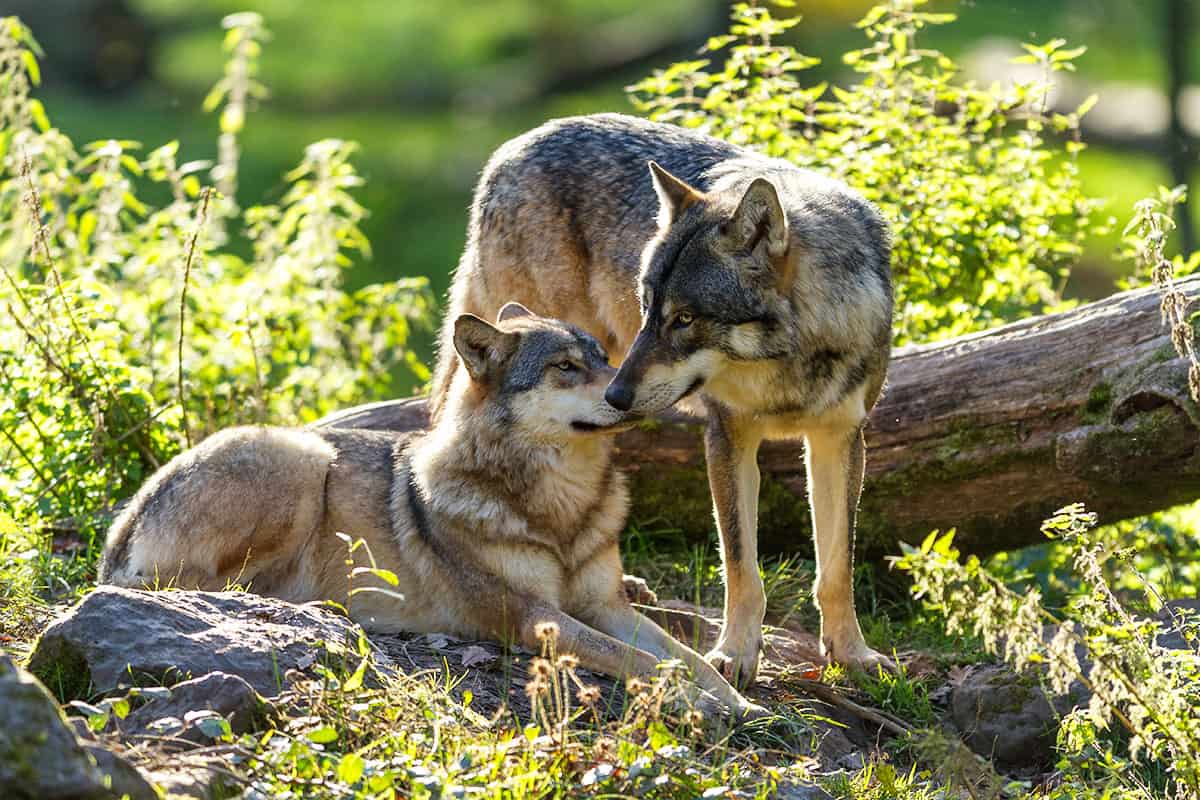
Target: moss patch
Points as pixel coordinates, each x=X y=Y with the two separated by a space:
x=63 y=670
x=1098 y=403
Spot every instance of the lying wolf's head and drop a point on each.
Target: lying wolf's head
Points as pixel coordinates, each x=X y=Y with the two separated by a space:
x=541 y=376
x=709 y=282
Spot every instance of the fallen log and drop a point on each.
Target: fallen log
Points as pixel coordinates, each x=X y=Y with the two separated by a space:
x=988 y=433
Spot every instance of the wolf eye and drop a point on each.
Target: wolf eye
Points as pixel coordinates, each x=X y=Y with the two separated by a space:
x=566 y=366
x=683 y=319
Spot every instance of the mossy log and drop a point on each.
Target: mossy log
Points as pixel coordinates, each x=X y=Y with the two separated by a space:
x=988 y=433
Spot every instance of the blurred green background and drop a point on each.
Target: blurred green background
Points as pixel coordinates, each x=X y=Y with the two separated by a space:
x=430 y=88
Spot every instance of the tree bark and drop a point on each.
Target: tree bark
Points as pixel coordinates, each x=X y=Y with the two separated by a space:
x=988 y=433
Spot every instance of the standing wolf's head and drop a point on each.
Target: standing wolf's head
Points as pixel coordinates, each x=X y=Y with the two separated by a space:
x=537 y=376
x=711 y=289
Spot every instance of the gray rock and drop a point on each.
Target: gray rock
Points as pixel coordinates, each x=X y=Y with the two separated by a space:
x=228 y=695
x=1187 y=612
x=126 y=779
x=792 y=790
x=192 y=781
x=1006 y=717
x=118 y=637
x=40 y=756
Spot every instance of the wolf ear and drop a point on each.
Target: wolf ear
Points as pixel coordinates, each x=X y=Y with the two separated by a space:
x=674 y=195
x=481 y=346
x=512 y=310
x=760 y=218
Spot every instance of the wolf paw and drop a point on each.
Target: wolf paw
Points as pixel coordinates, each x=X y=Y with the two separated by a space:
x=638 y=591
x=738 y=669
x=716 y=711
x=858 y=656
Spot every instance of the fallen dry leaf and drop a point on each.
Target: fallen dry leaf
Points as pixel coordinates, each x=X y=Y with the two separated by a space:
x=475 y=655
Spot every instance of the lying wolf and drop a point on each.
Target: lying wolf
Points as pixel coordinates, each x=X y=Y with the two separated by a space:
x=504 y=516
x=761 y=287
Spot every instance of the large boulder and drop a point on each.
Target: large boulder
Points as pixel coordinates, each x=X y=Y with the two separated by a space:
x=119 y=637
x=40 y=756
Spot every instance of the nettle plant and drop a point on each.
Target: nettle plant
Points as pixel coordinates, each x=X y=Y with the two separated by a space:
x=132 y=327
x=1142 y=675
x=986 y=208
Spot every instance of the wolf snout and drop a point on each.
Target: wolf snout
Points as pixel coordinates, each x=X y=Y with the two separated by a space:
x=619 y=396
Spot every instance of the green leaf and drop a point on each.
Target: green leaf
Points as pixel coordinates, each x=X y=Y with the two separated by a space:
x=87 y=226
x=214 y=726
x=660 y=736
x=355 y=681
x=232 y=119
x=38 y=112
x=387 y=576
x=350 y=768
x=323 y=735
x=928 y=542
x=97 y=718
x=118 y=706
x=214 y=97
x=31 y=67
x=944 y=545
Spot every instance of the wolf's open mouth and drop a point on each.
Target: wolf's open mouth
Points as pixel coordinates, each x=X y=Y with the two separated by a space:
x=580 y=425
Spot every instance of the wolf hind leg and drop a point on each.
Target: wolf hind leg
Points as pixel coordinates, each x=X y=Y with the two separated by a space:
x=222 y=514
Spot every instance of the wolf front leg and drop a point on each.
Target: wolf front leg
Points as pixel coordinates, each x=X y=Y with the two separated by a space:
x=637 y=630
x=836 y=459
x=731 y=451
x=601 y=652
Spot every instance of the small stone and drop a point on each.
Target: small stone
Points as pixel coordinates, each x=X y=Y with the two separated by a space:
x=217 y=692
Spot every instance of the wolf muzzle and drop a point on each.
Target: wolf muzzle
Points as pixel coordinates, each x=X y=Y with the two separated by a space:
x=619 y=396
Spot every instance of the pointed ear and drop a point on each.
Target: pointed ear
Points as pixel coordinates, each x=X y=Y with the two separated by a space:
x=481 y=346
x=674 y=195
x=760 y=219
x=512 y=310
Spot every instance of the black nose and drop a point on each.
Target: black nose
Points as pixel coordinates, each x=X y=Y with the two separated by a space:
x=619 y=396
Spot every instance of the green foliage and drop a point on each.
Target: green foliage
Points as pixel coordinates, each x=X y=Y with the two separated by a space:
x=982 y=191
x=1145 y=237
x=142 y=306
x=901 y=695
x=1163 y=549
x=1142 y=723
x=414 y=738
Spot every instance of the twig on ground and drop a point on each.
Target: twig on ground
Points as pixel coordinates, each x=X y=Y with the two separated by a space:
x=832 y=696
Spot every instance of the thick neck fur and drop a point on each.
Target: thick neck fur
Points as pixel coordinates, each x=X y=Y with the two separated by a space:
x=481 y=474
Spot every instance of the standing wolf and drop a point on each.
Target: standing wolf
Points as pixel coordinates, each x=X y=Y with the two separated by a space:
x=763 y=288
